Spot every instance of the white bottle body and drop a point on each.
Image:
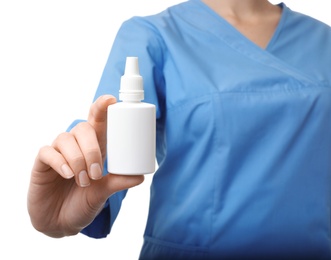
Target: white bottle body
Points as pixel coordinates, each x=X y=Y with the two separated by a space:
x=131 y=138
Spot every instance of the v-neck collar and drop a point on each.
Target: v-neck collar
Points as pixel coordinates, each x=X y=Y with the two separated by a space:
x=234 y=31
x=237 y=41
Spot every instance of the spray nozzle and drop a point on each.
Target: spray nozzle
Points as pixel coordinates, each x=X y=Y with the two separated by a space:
x=131 y=82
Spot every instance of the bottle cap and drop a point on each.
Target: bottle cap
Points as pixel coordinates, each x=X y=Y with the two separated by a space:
x=131 y=82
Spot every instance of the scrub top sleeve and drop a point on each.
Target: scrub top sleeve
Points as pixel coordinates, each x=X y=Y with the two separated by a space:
x=102 y=224
x=136 y=37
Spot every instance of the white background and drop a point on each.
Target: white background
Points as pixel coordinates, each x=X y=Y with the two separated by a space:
x=52 y=54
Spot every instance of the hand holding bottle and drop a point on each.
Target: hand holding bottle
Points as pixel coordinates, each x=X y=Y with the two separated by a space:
x=67 y=189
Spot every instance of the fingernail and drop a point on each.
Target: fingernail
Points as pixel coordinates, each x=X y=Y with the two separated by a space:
x=95 y=171
x=67 y=171
x=83 y=179
x=108 y=97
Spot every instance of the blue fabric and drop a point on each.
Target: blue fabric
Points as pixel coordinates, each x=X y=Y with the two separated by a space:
x=243 y=134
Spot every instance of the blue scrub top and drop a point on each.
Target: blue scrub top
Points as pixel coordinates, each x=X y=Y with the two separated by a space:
x=243 y=136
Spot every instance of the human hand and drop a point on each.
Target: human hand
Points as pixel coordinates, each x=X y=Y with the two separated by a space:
x=67 y=189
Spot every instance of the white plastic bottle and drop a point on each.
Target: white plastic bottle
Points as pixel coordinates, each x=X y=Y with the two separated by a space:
x=131 y=127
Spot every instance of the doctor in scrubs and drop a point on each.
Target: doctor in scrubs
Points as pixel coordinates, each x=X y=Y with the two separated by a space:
x=243 y=96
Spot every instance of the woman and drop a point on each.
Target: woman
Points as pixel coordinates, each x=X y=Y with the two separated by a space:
x=242 y=90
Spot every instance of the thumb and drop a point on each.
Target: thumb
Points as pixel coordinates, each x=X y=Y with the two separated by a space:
x=97 y=118
x=98 y=110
